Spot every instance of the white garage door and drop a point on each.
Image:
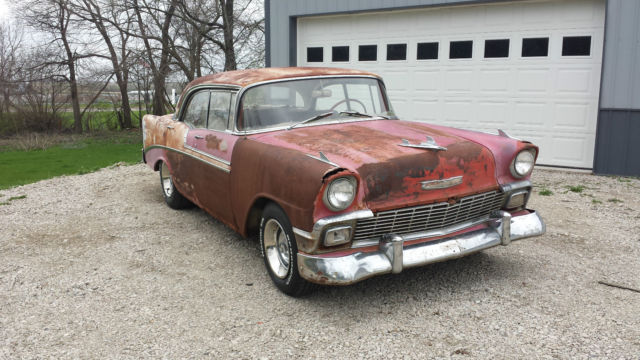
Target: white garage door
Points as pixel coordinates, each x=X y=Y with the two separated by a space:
x=529 y=68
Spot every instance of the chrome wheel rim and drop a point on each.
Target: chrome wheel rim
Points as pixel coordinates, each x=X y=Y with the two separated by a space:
x=165 y=179
x=276 y=248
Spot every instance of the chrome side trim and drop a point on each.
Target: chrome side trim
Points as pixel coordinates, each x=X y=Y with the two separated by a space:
x=207 y=155
x=441 y=184
x=323 y=158
x=392 y=256
x=221 y=167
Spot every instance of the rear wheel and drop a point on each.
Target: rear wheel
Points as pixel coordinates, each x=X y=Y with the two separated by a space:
x=172 y=197
x=280 y=251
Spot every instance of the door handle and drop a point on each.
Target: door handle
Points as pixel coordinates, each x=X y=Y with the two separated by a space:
x=198 y=137
x=169 y=127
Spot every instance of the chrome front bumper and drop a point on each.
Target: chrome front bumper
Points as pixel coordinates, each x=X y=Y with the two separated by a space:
x=393 y=255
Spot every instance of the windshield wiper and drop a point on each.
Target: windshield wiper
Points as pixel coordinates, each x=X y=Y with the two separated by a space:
x=356 y=113
x=317 y=117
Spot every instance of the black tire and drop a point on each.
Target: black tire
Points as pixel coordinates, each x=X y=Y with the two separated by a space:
x=276 y=239
x=172 y=196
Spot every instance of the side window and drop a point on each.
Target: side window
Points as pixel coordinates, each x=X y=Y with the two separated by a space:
x=331 y=95
x=196 y=112
x=219 y=106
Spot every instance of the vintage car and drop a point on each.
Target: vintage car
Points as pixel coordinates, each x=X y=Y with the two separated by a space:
x=315 y=162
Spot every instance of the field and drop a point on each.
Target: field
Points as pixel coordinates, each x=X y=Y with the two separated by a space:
x=31 y=158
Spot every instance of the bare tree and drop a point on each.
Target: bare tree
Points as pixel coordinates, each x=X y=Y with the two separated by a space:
x=114 y=26
x=56 y=19
x=10 y=66
x=151 y=16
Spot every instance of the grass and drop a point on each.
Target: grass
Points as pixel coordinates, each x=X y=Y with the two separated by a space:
x=545 y=192
x=615 y=201
x=577 y=188
x=81 y=156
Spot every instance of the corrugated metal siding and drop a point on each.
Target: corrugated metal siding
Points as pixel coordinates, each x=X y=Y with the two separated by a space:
x=618 y=148
x=282 y=10
x=621 y=73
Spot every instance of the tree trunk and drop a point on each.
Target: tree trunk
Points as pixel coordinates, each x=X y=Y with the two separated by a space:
x=229 y=51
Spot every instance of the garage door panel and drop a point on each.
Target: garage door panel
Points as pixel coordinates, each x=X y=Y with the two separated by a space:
x=552 y=99
x=493 y=114
x=572 y=116
x=495 y=81
x=578 y=81
x=533 y=80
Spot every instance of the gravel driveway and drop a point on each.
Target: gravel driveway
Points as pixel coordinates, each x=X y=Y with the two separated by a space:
x=96 y=266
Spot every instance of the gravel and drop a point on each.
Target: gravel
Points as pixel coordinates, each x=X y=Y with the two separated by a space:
x=96 y=266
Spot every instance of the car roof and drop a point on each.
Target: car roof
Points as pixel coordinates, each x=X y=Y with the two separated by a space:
x=247 y=77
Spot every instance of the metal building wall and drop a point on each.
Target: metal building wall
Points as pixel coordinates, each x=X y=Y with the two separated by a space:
x=618 y=134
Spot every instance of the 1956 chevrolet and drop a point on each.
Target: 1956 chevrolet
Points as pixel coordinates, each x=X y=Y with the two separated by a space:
x=315 y=162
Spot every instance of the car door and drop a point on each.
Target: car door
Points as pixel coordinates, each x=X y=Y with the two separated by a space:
x=210 y=143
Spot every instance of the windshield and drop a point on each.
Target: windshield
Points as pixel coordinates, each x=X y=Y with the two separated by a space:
x=290 y=102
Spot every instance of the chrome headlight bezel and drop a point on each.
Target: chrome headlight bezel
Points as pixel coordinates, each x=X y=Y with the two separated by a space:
x=330 y=198
x=523 y=163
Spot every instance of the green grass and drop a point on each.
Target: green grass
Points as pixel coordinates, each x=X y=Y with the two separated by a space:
x=614 y=200
x=83 y=156
x=576 y=189
x=545 y=192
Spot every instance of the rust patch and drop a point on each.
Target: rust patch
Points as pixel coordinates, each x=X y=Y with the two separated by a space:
x=215 y=143
x=384 y=178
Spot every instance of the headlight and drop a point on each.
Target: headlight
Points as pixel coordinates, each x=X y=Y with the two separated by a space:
x=523 y=163
x=340 y=193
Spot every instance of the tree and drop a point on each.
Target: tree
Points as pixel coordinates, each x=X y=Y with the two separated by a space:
x=55 y=19
x=114 y=27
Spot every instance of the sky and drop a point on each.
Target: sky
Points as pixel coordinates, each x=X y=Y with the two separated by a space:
x=4 y=10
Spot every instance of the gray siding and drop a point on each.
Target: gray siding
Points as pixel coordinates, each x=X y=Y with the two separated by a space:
x=618 y=148
x=620 y=87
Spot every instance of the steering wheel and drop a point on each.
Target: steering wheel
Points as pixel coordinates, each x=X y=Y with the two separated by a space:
x=364 y=108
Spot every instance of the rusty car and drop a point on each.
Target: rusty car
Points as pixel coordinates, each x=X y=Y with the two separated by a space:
x=315 y=163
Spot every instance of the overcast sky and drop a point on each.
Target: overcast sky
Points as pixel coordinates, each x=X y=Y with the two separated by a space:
x=4 y=10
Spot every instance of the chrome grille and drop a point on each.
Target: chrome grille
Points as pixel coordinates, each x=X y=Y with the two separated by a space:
x=428 y=217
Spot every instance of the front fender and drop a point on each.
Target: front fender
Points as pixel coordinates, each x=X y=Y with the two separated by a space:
x=289 y=177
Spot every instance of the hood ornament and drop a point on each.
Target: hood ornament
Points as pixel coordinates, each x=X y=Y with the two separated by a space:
x=429 y=144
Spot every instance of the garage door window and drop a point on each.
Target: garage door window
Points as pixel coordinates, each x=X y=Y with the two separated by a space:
x=397 y=52
x=314 y=54
x=496 y=48
x=368 y=52
x=576 y=46
x=427 y=51
x=340 y=53
x=461 y=49
x=533 y=47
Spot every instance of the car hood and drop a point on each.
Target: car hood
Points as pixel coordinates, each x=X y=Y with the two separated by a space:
x=392 y=175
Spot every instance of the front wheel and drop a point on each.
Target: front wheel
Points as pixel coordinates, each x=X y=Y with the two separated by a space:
x=172 y=197
x=280 y=252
